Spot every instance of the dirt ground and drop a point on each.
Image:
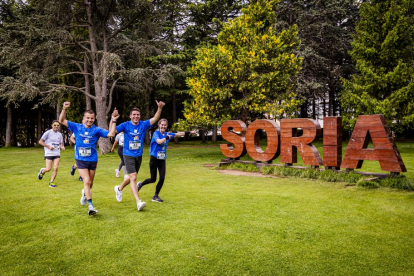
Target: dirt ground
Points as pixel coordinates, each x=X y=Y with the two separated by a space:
x=235 y=172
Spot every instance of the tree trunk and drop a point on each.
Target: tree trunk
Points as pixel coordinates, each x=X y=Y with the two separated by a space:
x=39 y=125
x=87 y=83
x=331 y=101
x=88 y=103
x=304 y=109
x=214 y=137
x=147 y=116
x=33 y=132
x=57 y=111
x=203 y=136
x=99 y=81
x=313 y=109
x=174 y=107
x=104 y=143
x=244 y=115
x=14 y=132
x=174 y=111
x=9 y=126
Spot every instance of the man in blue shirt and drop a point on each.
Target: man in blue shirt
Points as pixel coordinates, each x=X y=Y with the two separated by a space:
x=86 y=155
x=134 y=134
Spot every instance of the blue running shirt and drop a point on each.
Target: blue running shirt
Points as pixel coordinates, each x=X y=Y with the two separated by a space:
x=86 y=139
x=159 y=151
x=134 y=136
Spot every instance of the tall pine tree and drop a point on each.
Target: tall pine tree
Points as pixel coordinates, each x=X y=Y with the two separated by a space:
x=383 y=49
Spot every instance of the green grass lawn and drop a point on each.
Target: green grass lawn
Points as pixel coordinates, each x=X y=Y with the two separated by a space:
x=209 y=224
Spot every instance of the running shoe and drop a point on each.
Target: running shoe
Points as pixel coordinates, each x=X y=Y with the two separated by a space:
x=118 y=193
x=72 y=171
x=40 y=174
x=139 y=186
x=80 y=178
x=92 y=210
x=141 y=205
x=83 y=198
x=157 y=199
x=52 y=185
x=116 y=172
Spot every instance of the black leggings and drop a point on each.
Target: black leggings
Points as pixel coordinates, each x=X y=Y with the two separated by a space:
x=121 y=155
x=154 y=165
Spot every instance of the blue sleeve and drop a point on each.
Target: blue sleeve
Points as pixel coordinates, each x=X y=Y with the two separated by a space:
x=157 y=135
x=147 y=124
x=171 y=134
x=103 y=132
x=120 y=127
x=71 y=126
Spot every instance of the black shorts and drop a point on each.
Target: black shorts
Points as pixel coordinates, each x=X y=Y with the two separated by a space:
x=132 y=164
x=86 y=165
x=52 y=157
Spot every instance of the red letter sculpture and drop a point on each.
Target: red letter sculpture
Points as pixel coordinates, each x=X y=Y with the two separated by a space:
x=385 y=151
x=253 y=140
x=228 y=131
x=332 y=142
x=289 y=143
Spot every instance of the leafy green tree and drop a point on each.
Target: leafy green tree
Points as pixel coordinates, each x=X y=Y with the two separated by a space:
x=325 y=29
x=249 y=72
x=105 y=44
x=187 y=25
x=383 y=49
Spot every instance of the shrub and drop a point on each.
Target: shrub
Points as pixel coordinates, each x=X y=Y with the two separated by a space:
x=268 y=170
x=399 y=182
x=328 y=175
x=370 y=184
x=310 y=173
x=352 y=177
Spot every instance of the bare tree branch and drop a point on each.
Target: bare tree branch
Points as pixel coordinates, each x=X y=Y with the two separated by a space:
x=110 y=96
x=73 y=73
x=74 y=88
x=124 y=27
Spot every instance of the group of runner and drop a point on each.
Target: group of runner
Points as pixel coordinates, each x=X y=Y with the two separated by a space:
x=130 y=139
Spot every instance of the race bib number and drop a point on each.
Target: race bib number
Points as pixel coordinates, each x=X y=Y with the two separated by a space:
x=56 y=146
x=134 y=145
x=85 y=152
x=161 y=155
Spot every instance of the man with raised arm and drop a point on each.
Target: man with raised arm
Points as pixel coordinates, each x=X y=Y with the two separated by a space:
x=134 y=134
x=86 y=155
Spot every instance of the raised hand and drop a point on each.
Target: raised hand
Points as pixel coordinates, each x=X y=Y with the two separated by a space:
x=160 y=104
x=115 y=114
x=66 y=105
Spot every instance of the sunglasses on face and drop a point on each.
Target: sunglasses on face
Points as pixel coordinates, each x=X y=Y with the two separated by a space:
x=56 y=125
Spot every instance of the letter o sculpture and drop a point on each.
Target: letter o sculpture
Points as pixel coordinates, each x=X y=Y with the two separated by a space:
x=253 y=140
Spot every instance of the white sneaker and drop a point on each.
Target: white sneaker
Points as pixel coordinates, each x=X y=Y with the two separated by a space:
x=118 y=193
x=141 y=205
x=92 y=210
x=116 y=172
x=83 y=198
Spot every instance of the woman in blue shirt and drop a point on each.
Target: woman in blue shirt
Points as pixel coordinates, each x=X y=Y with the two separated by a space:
x=158 y=155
